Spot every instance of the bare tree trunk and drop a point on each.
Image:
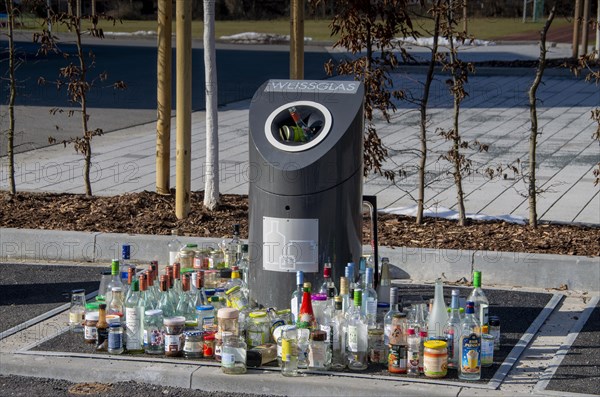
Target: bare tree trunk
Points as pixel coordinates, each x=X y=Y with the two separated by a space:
x=423 y=111
x=11 y=100
x=532 y=191
x=585 y=27
x=87 y=137
x=576 y=28
x=211 y=186
x=163 y=122
x=297 y=40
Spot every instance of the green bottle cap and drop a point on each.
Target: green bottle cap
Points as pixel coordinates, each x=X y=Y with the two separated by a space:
x=357 y=297
x=114 y=267
x=477 y=279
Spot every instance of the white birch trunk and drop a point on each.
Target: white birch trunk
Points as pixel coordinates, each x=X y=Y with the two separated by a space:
x=211 y=186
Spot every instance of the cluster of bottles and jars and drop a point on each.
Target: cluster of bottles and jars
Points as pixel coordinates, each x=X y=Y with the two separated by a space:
x=177 y=313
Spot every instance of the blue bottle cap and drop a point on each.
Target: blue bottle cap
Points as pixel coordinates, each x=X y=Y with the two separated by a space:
x=126 y=252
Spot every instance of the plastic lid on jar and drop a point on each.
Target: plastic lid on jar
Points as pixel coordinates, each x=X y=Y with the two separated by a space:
x=289 y=328
x=435 y=344
x=171 y=321
x=318 y=297
x=219 y=290
x=284 y=311
x=92 y=306
x=92 y=316
x=228 y=312
x=258 y=314
x=192 y=334
x=318 y=336
x=232 y=290
x=204 y=308
x=153 y=312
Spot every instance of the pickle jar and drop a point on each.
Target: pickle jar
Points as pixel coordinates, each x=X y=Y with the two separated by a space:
x=228 y=320
x=233 y=356
x=186 y=256
x=257 y=329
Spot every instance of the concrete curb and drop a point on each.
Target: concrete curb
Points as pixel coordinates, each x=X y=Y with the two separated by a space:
x=577 y=273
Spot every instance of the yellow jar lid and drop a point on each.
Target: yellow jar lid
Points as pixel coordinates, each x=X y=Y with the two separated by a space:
x=435 y=344
x=257 y=314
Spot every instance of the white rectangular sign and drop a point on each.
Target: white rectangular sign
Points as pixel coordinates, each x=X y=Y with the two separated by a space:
x=290 y=245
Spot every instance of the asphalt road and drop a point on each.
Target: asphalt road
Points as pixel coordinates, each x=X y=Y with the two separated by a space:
x=241 y=70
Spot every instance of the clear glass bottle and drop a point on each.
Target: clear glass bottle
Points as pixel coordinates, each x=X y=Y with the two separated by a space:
x=345 y=295
x=479 y=299
x=186 y=306
x=174 y=246
x=243 y=262
x=328 y=287
x=230 y=247
x=387 y=320
x=165 y=303
x=115 y=280
x=296 y=299
x=153 y=291
x=319 y=352
x=233 y=355
x=357 y=336
x=124 y=267
x=130 y=278
x=362 y=270
x=289 y=351
x=470 y=346
x=369 y=299
x=115 y=338
x=385 y=282
x=338 y=360
x=303 y=343
x=154 y=342
x=349 y=274
x=452 y=330
x=115 y=305
x=412 y=359
x=177 y=281
x=77 y=310
x=438 y=317
x=133 y=326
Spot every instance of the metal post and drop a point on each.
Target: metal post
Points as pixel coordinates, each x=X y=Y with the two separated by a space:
x=163 y=97
x=465 y=16
x=93 y=8
x=584 y=27
x=576 y=28
x=297 y=40
x=184 y=107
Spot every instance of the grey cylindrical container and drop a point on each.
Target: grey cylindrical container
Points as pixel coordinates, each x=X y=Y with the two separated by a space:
x=305 y=195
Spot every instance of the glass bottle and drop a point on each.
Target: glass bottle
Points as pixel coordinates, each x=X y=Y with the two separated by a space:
x=470 y=346
x=289 y=351
x=243 y=262
x=152 y=288
x=124 y=267
x=257 y=329
x=177 y=282
x=479 y=299
x=412 y=357
x=349 y=274
x=296 y=299
x=154 y=342
x=165 y=303
x=236 y=281
x=77 y=310
x=385 y=282
x=132 y=320
x=230 y=247
x=338 y=338
x=419 y=321
x=328 y=286
x=186 y=306
x=130 y=278
x=115 y=305
x=319 y=352
x=306 y=315
x=438 y=317
x=387 y=320
x=452 y=330
x=357 y=336
x=397 y=354
x=233 y=355
x=174 y=246
x=369 y=299
x=102 y=329
x=362 y=270
x=115 y=280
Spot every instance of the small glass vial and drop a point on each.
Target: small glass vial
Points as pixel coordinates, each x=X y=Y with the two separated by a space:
x=209 y=349
x=153 y=332
x=77 y=310
x=289 y=351
x=115 y=338
x=319 y=352
x=193 y=344
x=89 y=327
x=233 y=356
x=257 y=329
x=228 y=320
x=174 y=336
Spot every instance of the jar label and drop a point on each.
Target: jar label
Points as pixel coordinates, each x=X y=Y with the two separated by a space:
x=172 y=343
x=288 y=349
x=193 y=347
x=353 y=338
x=435 y=364
x=255 y=338
x=413 y=359
x=153 y=337
x=89 y=332
x=227 y=360
x=115 y=340
x=209 y=349
x=397 y=357
x=470 y=354
x=317 y=355
x=76 y=317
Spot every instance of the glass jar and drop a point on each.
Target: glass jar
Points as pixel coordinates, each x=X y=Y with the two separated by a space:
x=233 y=356
x=285 y=315
x=208 y=346
x=435 y=358
x=236 y=298
x=115 y=338
x=206 y=317
x=487 y=350
x=228 y=320
x=216 y=260
x=201 y=259
x=257 y=329
x=186 y=256
x=174 y=336
x=77 y=310
x=289 y=351
x=377 y=346
x=89 y=327
x=193 y=344
x=153 y=332
x=319 y=352
x=318 y=301
x=211 y=279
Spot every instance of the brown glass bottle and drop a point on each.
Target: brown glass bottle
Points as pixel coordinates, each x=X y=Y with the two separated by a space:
x=102 y=329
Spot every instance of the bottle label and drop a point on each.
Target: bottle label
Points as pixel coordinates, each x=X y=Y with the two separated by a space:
x=288 y=349
x=487 y=351
x=483 y=314
x=331 y=292
x=413 y=359
x=397 y=358
x=275 y=324
x=153 y=337
x=115 y=340
x=470 y=354
x=227 y=359
x=317 y=354
x=371 y=307
x=89 y=333
x=102 y=338
x=353 y=338
x=172 y=343
x=132 y=320
x=76 y=318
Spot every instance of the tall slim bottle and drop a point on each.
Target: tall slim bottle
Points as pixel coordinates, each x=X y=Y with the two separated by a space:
x=124 y=267
x=387 y=320
x=470 y=346
x=439 y=312
x=132 y=320
x=186 y=306
x=152 y=288
x=296 y=299
x=369 y=299
x=357 y=336
x=338 y=360
x=452 y=330
x=345 y=295
x=328 y=286
x=385 y=283
x=165 y=304
x=479 y=300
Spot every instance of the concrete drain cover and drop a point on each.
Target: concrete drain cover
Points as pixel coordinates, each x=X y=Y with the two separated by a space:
x=83 y=389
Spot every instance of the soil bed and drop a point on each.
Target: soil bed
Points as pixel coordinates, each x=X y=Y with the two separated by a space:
x=151 y=213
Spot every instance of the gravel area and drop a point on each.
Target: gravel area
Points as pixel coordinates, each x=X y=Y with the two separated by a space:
x=21 y=386
x=26 y=291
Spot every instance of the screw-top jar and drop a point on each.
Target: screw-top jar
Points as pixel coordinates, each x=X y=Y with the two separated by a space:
x=257 y=330
x=115 y=338
x=233 y=356
x=89 y=327
x=236 y=298
x=153 y=332
x=319 y=351
x=435 y=359
x=174 y=336
x=206 y=317
x=193 y=344
x=228 y=320
x=209 y=345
